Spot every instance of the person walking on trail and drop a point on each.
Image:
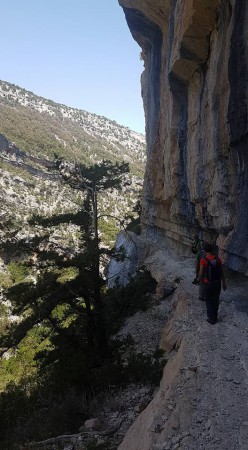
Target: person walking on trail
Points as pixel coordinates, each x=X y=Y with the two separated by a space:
x=211 y=275
x=199 y=255
x=195 y=244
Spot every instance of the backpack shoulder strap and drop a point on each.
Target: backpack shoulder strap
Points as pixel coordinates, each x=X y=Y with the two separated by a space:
x=208 y=269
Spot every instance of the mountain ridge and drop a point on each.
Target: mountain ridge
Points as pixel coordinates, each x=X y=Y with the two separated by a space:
x=80 y=124
x=33 y=130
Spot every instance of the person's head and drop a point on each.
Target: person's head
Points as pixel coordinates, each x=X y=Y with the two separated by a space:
x=208 y=247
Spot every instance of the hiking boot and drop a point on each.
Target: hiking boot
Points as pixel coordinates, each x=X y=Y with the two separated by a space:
x=212 y=321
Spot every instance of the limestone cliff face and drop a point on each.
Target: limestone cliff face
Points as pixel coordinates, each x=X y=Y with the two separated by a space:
x=195 y=93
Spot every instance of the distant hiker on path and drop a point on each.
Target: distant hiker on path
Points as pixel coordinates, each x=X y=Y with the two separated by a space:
x=195 y=244
x=199 y=255
x=210 y=275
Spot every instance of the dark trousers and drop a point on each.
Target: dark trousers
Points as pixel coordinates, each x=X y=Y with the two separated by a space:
x=212 y=298
x=201 y=291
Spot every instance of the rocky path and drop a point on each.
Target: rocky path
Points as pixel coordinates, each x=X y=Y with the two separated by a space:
x=221 y=405
x=202 y=403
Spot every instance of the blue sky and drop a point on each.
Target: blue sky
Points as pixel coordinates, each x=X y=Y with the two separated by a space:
x=77 y=52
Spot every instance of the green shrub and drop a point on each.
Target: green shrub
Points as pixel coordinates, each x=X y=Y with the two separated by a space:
x=18 y=271
x=5 y=280
x=109 y=231
x=4 y=326
x=133 y=368
x=40 y=416
x=140 y=368
x=67 y=274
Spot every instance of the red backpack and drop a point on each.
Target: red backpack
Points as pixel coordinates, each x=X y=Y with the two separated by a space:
x=213 y=272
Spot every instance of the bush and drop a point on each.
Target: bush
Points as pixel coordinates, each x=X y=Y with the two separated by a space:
x=145 y=369
x=18 y=271
x=40 y=416
x=53 y=367
x=5 y=280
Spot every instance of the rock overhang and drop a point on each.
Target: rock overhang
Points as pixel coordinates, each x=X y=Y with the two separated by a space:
x=196 y=121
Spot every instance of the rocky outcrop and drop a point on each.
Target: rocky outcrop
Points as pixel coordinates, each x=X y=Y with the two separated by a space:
x=195 y=95
x=121 y=271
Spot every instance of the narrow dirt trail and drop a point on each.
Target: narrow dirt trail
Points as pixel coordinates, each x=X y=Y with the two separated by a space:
x=202 y=403
x=220 y=416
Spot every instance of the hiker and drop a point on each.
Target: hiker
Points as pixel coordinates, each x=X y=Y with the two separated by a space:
x=200 y=254
x=210 y=275
x=195 y=244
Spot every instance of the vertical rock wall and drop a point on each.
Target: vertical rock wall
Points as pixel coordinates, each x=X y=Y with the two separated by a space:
x=195 y=93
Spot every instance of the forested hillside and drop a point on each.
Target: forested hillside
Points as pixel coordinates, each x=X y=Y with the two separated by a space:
x=34 y=129
x=42 y=127
x=70 y=180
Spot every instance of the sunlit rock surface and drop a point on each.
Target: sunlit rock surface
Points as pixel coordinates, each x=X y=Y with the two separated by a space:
x=120 y=272
x=195 y=91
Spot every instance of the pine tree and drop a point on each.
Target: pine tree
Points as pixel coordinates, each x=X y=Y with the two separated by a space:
x=93 y=180
x=37 y=302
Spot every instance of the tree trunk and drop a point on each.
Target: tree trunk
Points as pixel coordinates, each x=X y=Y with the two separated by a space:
x=101 y=341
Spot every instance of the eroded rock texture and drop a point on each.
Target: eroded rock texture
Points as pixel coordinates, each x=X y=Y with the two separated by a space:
x=195 y=93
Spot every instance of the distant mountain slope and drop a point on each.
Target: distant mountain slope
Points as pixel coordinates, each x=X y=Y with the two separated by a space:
x=42 y=127
x=32 y=130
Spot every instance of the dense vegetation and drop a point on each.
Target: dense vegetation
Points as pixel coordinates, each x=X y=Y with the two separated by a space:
x=58 y=316
x=59 y=354
x=51 y=377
